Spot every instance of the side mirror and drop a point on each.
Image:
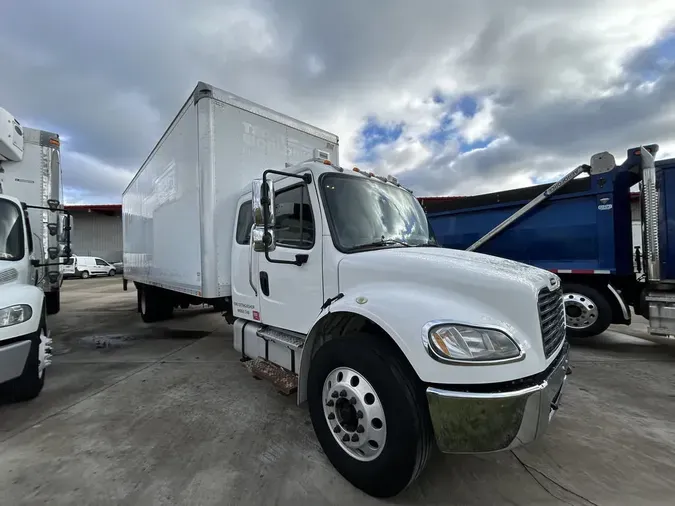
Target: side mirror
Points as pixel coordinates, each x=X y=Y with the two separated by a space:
x=263 y=240
x=63 y=226
x=262 y=201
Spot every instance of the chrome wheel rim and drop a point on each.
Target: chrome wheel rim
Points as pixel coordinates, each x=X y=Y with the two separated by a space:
x=44 y=352
x=354 y=414
x=580 y=311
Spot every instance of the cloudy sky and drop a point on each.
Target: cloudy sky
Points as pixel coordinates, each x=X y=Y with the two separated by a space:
x=455 y=97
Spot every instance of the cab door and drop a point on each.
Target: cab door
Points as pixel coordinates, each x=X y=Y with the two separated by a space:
x=101 y=267
x=290 y=296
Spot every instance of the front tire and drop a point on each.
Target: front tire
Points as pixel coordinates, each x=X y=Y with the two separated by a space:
x=587 y=310
x=369 y=413
x=53 y=302
x=111 y=272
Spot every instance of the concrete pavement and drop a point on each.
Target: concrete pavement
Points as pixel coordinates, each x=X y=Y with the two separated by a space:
x=166 y=414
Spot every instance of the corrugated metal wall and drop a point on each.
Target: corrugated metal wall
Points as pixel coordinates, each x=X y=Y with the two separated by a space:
x=97 y=234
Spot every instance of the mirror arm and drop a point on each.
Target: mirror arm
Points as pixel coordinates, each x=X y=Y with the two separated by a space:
x=307 y=179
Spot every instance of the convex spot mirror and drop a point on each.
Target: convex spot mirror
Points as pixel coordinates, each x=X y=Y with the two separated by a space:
x=263 y=240
x=262 y=201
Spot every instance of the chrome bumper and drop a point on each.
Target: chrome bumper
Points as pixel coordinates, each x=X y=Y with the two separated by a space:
x=470 y=422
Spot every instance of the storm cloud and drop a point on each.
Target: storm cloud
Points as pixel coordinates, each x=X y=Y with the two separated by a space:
x=454 y=97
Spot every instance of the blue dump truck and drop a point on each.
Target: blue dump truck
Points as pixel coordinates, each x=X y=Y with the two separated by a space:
x=580 y=228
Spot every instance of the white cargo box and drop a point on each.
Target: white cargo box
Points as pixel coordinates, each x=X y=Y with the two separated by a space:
x=179 y=209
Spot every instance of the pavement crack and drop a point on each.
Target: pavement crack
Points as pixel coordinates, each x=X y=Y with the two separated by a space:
x=95 y=393
x=531 y=470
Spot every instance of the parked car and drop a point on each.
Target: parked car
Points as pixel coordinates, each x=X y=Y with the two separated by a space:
x=85 y=267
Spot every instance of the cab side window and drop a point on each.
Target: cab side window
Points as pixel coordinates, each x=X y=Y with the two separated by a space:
x=100 y=262
x=29 y=234
x=294 y=222
x=244 y=223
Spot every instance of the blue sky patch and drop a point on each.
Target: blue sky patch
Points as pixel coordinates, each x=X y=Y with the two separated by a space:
x=374 y=134
x=445 y=131
x=650 y=63
x=467 y=105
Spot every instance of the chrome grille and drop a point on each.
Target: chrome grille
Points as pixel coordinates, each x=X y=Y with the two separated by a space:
x=552 y=319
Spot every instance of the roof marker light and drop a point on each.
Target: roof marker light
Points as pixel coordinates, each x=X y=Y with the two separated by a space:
x=327 y=162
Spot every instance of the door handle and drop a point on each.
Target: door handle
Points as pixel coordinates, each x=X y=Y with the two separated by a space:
x=264 y=283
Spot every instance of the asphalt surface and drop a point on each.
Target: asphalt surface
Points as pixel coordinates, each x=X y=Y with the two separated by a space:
x=166 y=414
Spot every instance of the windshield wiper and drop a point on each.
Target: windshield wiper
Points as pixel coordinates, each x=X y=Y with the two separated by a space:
x=381 y=242
x=428 y=244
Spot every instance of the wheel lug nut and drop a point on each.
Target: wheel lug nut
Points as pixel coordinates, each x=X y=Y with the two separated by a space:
x=336 y=429
x=343 y=393
x=330 y=403
x=345 y=438
x=352 y=401
x=359 y=414
x=360 y=429
x=355 y=438
x=334 y=395
x=331 y=416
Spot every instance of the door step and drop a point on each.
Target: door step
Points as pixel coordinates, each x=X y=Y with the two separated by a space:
x=284 y=381
x=293 y=340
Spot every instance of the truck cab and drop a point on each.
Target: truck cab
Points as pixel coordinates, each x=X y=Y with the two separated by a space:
x=395 y=342
x=24 y=341
x=34 y=241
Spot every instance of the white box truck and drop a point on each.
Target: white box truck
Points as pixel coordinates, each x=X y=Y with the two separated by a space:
x=34 y=244
x=335 y=286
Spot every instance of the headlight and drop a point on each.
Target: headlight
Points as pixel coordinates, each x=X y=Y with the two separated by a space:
x=470 y=344
x=14 y=315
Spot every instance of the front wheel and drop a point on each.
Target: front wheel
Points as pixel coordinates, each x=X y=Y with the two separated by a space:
x=587 y=311
x=112 y=272
x=369 y=413
x=53 y=302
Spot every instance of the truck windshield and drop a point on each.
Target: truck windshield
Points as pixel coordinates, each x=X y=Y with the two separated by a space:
x=369 y=214
x=11 y=231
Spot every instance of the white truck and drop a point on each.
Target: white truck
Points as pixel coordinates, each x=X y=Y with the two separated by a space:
x=34 y=239
x=335 y=287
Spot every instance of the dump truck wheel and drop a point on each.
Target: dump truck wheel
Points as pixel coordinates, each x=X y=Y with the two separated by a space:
x=587 y=311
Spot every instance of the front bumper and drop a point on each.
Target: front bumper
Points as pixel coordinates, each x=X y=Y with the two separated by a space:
x=13 y=358
x=481 y=422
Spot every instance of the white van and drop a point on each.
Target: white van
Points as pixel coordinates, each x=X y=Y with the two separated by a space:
x=85 y=267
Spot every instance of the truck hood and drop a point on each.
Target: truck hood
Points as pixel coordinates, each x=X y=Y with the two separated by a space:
x=457 y=268
x=493 y=290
